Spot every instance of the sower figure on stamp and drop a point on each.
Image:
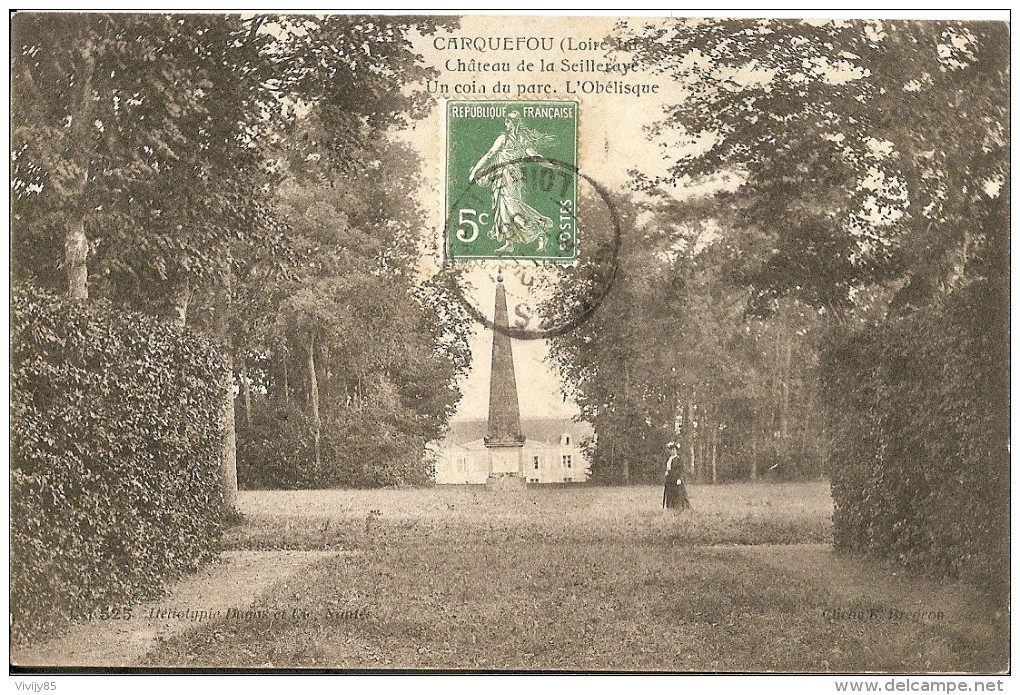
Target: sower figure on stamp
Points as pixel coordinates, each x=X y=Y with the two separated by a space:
x=513 y=220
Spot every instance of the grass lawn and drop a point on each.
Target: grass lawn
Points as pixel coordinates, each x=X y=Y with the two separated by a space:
x=724 y=514
x=585 y=578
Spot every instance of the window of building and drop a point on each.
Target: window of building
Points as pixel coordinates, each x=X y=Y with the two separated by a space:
x=536 y=462
x=532 y=480
x=565 y=439
x=568 y=480
x=567 y=462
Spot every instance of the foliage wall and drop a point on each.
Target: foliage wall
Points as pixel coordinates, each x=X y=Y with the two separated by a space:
x=861 y=170
x=920 y=402
x=363 y=448
x=115 y=442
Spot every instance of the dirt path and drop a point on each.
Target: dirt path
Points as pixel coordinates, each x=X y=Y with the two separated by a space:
x=232 y=584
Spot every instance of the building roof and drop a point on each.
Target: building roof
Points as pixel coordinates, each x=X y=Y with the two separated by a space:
x=548 y=430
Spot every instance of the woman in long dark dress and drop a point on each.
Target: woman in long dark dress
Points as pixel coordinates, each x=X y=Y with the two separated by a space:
x=674 y=494
x=669 y=498
x=682 y=500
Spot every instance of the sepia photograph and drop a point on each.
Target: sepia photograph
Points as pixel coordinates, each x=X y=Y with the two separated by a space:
x=510 y=344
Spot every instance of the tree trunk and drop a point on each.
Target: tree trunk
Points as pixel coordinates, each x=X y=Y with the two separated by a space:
x=286 y=383
x=626 y=399
x=182 y=299
x=692 y=436
x=775 y=389
x=784 y=412
x=74 y=188
x=326 y=386
x=702 y=445
x=715 y=441
x=805 y=426
x=228 y=454
x=246 y=386
x=689 y=427
x=313 y=381
x=754 y=456
x=76 y=251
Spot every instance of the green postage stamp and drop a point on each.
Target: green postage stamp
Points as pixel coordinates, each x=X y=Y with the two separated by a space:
x=511 y=181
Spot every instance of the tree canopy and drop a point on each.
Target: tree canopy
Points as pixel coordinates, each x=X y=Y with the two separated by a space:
x=162 y=133
x=238 y=174
x=862 y=148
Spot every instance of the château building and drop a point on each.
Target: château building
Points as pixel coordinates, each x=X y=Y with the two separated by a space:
x=551 y=452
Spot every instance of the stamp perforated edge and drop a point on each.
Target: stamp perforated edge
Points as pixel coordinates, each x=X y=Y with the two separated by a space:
x=443 y=242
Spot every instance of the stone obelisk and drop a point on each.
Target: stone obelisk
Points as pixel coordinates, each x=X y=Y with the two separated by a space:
x=504 y=438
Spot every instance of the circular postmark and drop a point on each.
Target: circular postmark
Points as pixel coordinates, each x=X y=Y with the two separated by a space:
x=557 y=294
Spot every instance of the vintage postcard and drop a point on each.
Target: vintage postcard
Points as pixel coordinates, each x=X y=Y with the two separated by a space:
x=415 y=343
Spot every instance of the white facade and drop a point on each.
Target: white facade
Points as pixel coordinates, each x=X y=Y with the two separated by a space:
x=551 y=453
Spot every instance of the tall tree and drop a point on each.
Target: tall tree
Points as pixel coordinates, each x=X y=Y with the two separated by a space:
x=862 y=148
x=350 y=341
x=129 y=130
x=146 y=147
x=672 y=357
x=872 y=182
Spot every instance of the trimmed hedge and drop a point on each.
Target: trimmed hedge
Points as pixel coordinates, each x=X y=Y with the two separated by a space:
x=921 y=455
x=116 y=428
